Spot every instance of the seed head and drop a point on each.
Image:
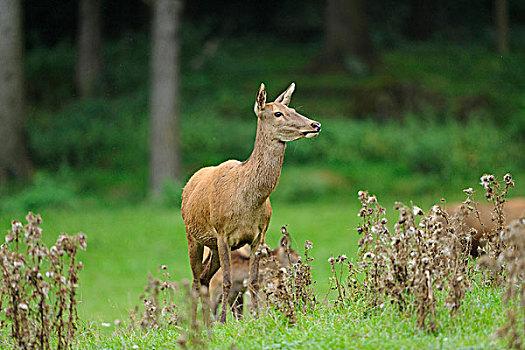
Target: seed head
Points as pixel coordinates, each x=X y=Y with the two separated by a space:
x=368 y=255
x=417 y=210
x=308 y=245
x=468 y=191
x=371 y=199
x=16 y=225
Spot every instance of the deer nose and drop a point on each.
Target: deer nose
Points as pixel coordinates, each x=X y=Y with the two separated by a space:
x=316 y=126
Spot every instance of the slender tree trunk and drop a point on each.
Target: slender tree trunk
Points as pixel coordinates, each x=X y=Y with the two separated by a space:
x=336 y=43
x=347 y=35
x=89 y=54
x=420 y=22
x=164 y=98
x=501 y=25
x=13 y=155
x=360 y=40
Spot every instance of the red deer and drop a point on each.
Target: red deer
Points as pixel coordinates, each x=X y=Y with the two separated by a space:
x=513 y=209
x=227 y=206
x=282 y=256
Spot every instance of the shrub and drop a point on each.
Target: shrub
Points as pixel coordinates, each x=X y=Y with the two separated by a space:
x=44 y=192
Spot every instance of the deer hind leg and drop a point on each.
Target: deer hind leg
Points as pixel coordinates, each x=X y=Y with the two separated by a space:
x=195 y=250
x=211 y=265
x=225 y=258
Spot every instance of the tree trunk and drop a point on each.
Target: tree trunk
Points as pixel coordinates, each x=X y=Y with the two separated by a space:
x=89 y=54
x=336 y=43
x=347 y=35
x=420 y=22
x=13 y=155
x=164 y=98
x=501 y=25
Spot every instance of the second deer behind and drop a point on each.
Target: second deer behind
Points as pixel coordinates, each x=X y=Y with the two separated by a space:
x=282 y=256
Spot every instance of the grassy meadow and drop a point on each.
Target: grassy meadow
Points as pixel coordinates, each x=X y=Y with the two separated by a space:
x=125 y=244
x=340 y=329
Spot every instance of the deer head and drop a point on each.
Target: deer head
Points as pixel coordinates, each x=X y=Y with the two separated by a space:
x=284 y=252
x=281 y=122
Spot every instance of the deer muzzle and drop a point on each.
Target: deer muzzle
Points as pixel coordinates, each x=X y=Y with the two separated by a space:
x=316 y=129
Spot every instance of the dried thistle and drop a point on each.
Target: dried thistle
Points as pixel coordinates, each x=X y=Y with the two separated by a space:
x=512 y=259
x=424 y=254
x=496 y=193
x=165 y=304
x=158 y=301
x=289 y=287
x=39 y=285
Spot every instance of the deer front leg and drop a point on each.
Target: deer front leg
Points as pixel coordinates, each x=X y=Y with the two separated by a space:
x=253 y=284
x=225 y=257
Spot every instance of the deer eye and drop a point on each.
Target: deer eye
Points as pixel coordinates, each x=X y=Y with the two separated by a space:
x=278 y=114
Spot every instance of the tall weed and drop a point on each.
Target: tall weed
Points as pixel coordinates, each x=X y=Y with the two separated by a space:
x=38 y=288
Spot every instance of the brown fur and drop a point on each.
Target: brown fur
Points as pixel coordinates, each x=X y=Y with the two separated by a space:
x=225 y=207
x=240 y=274
x=514 y=209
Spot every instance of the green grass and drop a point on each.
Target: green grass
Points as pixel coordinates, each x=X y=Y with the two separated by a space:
x=340 y=328
x=125 y=243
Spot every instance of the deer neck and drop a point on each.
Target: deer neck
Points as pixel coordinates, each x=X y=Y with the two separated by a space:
x=263 y=168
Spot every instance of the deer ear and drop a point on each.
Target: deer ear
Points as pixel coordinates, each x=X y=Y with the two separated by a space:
x=286 y=96
x=260 y=100
x=285 y=241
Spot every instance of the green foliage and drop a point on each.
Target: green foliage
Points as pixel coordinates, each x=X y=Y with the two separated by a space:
x=451 y=113
x=91 y=133
x=45 y=191
x=48 y=74
x=171 y=194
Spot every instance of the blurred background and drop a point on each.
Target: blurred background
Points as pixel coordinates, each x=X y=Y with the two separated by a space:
x=107 y=108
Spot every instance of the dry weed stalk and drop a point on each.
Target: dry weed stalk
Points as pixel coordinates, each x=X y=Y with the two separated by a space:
x=409 y=266
x=494 y=242
x=346 y=291
x=158 y=301
x=190 y=336
x=166 y=304
x=513 y=261
x=290 y=288
x=38 y=286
